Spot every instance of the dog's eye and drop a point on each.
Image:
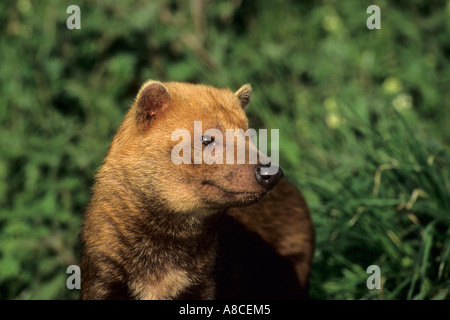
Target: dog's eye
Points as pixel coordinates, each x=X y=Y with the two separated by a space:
x=207 y=140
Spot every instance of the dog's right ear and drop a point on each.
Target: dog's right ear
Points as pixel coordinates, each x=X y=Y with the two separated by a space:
x=244 y=95
x=152 y=99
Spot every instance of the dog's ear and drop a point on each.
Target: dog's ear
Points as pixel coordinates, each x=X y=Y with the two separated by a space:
x=152 y=99
x=244 y=95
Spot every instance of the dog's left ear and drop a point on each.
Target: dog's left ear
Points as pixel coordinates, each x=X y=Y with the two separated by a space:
x=152 y=101
x=244 y=94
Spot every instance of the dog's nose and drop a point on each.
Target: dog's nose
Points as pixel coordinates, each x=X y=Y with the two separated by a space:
x=268 y=175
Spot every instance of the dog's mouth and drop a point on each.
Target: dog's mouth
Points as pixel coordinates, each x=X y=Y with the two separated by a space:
x=212 y=191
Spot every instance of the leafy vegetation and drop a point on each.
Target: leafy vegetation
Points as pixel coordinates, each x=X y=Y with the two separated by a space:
x=363 y=118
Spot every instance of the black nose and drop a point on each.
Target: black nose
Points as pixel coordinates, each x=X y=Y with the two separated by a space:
x=268 y=176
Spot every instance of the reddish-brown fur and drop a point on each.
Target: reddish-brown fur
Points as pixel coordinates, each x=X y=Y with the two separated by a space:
x=157 y=230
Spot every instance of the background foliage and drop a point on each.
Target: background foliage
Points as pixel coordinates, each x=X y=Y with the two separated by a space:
x=363 y=118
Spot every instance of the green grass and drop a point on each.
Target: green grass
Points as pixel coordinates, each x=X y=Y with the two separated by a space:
x=388 y=206
x=363 y=118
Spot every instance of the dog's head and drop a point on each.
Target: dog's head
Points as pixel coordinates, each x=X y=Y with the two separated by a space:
x=190 y=147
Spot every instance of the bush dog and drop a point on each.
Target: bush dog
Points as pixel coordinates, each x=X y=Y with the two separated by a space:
x=155 y=229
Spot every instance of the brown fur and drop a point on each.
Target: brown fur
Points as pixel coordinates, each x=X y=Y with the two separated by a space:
x=157 y=230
